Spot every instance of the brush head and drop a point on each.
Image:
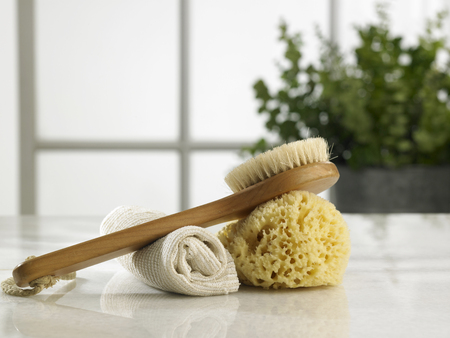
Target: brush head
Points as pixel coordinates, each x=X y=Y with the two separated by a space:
x=275 y=161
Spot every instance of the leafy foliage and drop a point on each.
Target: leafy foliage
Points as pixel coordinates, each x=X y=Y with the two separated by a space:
x=390 y=108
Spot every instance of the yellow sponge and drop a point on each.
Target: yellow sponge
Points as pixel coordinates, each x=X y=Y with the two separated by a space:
x=295 y=240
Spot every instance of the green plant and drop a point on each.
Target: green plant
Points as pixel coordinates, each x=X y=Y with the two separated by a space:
x=389 y=108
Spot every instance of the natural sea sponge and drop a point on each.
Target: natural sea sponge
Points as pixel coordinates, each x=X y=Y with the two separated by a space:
x=296 y=240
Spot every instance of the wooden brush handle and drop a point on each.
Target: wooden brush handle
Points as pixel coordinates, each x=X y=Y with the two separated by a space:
x=315 y=177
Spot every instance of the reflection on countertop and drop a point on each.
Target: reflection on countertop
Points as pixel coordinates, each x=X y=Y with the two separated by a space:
x=127 y=297
x=130 y=308
x=251 y=311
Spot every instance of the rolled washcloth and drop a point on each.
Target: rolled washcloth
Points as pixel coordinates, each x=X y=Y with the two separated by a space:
x=190 y=260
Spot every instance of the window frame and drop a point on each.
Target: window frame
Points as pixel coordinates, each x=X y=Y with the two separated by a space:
x=30 y=144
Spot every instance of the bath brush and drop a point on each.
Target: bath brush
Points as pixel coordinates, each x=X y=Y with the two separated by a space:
x=300 y=165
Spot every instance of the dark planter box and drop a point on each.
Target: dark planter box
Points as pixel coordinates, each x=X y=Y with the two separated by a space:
x=413 y=189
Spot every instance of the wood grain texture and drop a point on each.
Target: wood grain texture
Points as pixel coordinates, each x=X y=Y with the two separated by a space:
x=315 y=177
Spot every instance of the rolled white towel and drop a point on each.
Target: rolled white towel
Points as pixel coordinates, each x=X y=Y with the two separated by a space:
x=190 y=260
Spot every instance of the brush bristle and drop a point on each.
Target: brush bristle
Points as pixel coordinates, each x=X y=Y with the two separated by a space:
x=277 y=160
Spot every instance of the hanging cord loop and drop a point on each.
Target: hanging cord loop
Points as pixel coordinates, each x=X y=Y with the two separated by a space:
x=10 y=287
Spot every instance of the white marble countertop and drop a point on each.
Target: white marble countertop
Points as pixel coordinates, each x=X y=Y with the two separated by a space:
x=397 y=284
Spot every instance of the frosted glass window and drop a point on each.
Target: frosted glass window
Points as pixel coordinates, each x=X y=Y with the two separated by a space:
x=208 y=170
x=407 y=17
x=8 y=109
x=107 y=69
x=234 y=43
x=94 y=183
